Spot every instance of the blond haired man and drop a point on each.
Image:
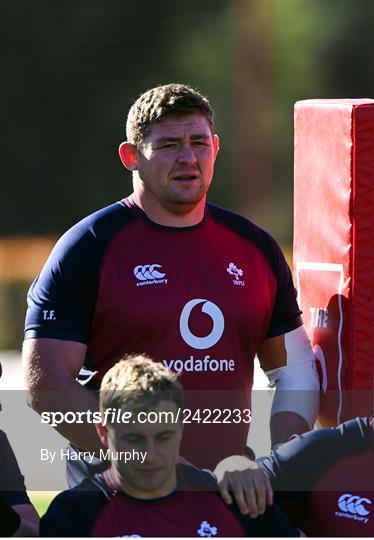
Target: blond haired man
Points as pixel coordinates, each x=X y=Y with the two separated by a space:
x=146 y=492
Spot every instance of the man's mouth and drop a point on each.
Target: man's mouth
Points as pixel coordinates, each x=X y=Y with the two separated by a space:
x=149 y=472
x=185 y=177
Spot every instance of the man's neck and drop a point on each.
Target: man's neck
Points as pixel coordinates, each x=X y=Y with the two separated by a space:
x=190 y=216
x=117 y=482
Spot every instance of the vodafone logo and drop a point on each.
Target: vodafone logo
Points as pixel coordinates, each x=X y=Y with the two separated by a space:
x=218 y=324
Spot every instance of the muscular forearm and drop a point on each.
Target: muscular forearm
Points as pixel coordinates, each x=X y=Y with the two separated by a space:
x=67 y=395
x=51 y=367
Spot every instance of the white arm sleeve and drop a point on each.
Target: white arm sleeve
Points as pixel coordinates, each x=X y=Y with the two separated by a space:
x=297 y=383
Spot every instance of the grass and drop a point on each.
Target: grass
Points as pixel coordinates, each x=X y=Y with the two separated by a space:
x=41 y=500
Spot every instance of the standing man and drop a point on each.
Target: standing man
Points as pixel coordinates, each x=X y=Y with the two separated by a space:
x=162 y=272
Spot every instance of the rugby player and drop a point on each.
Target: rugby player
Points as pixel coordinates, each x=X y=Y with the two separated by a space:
x=162 y=272
x=154 y=496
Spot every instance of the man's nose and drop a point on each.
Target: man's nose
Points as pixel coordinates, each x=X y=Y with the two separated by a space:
x=150 y=452
x=186 y=154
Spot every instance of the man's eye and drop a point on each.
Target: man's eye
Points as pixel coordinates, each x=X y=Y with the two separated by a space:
x=164 y=436
x=132 y=438
x=169 y=145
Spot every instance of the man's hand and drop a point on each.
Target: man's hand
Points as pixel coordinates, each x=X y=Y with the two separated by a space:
x=244 y=481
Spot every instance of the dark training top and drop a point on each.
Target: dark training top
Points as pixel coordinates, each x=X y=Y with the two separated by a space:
x=193 y=509
x=200 y=299
x=12 y=488
x=324 y=479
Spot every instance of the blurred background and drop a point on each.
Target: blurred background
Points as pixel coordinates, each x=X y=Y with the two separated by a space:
x=72 y=68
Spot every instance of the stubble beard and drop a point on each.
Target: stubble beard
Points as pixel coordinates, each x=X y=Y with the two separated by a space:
x=183 y=201
x=174 y=199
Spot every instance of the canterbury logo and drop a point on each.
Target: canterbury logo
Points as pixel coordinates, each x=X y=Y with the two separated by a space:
x=147 y=272
x=354 y=504
x=214 y=313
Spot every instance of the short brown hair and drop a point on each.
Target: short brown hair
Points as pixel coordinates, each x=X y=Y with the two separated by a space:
x=162 y=101
x=137 y=383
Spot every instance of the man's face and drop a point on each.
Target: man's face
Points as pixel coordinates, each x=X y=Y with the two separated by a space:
x=160 y=441
x=176 y=162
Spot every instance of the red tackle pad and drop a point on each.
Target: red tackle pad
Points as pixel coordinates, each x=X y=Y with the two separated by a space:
x=334 y=248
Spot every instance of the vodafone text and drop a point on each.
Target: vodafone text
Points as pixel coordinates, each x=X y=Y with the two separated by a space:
x=205 y=364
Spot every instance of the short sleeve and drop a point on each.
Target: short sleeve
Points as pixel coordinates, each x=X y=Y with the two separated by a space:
x=61 y=301
x=286 y=314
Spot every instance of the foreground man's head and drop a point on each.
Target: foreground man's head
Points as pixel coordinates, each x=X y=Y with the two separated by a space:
x=147 y=396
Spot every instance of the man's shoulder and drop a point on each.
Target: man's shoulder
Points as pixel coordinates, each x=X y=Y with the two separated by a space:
x=73 y=511
x=91 y=235
x=102 y=222
x=248 y=230
x=87 y=496
x=232 y=218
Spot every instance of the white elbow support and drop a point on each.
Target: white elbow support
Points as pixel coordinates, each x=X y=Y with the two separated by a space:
x=297 y=383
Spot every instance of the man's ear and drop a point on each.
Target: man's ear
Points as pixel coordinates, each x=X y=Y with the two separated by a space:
x=102 y=433
x=129 y=155
x=215 y=144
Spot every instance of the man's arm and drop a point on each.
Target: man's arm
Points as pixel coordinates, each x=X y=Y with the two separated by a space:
x=297 y=464
x=51 y=367
x=296 y=403
x=288 y=361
